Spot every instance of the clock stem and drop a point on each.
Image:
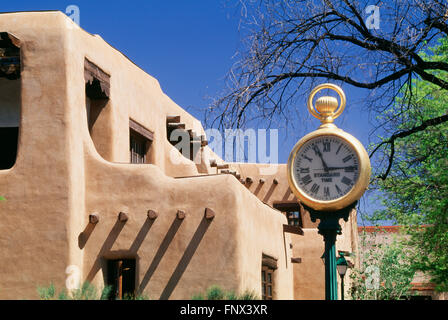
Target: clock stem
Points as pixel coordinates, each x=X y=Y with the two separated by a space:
x=329 y=228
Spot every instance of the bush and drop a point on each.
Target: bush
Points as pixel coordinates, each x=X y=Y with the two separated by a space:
x=86 y=292
x=216 y=293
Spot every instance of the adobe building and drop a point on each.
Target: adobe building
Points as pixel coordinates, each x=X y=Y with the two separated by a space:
x=95 y=190
x=421 y=286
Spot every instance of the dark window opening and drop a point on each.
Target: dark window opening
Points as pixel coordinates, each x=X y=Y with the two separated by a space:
x=10 y=100
x=121 y=278
x=140 y=142
x=8 y=147
x=97 y=81
x=9 y=56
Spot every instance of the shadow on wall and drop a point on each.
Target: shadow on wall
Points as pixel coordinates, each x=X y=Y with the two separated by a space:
x=160 y=253
x=107 y=245
x=186 y=258
x=105 y=250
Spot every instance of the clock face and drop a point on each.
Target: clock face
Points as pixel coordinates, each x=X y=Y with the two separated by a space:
x=326 y=168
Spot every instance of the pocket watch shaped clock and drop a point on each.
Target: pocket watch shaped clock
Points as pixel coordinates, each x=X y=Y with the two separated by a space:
x=328 y=169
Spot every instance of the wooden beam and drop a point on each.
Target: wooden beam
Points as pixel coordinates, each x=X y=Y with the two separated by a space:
x=173 y=126
x=223 y=166
x=172 y=119
x=94 y=218
x=292 y=229
x=123 y=217
x=141 y=130
x=249 y=180
x=180 y=214
x=209 y=214
x=204 y=141
x=262 y=180
x=275 y=181
x=269 y=261
x=152 y=215
x=213 y=163
x=296 y=260
x=92 y=72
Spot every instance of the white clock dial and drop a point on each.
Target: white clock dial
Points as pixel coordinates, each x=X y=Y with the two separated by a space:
x=326 y=168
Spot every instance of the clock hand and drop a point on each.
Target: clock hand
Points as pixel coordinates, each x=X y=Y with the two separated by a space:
x=317 y=151
x=337 y=168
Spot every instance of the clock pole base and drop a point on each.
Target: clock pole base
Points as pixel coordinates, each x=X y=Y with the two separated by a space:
x=329 y=228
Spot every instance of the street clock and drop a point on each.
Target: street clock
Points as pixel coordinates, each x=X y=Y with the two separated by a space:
x=328 y=169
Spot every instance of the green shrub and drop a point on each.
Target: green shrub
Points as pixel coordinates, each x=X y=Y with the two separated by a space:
x=216 y=293
x=86 y=292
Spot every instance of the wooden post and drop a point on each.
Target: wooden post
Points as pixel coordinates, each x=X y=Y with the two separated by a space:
x=152 y=214
x=94 y=218
x=209 y=214
x=122 y=217
x=180 y=214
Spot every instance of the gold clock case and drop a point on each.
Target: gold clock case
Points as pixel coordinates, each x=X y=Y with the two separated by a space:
x=357 y=190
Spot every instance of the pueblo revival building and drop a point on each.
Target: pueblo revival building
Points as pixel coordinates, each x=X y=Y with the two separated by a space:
x=95 y=190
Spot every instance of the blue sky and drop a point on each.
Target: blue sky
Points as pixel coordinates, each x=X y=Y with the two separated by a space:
x=188 y=47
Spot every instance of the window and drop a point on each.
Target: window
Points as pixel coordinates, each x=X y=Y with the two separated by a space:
x=121 y=277
x=293 y=218
x=268 y=267
x=292 y=212
x=140 y=142
x=267 y=282
x=10 y=100
x=99 y=113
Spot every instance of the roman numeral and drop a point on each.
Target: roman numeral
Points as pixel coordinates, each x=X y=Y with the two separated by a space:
x=326 y=146
x=340 y=146
x=315 y=188
x=338 y=189
x=308 y=158
x=316 y=150
x=347 y=158
x=349 y=169
x=327 y=192
x=306 y=179
x=304 y=170
x=346 y=181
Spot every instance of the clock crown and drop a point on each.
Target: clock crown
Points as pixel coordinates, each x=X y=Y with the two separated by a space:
x=326 y=108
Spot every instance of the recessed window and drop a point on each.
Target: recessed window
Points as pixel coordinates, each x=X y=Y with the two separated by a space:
x=292 y=212
x=10 y=101
x=99 y=114
x=121 y=277
x=268 y=267
x=140 y=142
